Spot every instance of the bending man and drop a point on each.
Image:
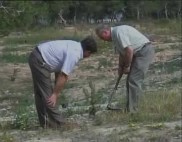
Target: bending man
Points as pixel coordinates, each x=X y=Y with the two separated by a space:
x=135 y=55
x=59 y=56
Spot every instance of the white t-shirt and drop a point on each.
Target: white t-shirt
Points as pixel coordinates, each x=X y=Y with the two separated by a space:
x=61 y=55
x=127 y=36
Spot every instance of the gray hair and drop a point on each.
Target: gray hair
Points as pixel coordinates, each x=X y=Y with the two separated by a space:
x=99 y=29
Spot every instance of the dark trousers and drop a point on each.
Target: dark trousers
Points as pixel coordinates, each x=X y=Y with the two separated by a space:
x=48 y=116
x=140 y=64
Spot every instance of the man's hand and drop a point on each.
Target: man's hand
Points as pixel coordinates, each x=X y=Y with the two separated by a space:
x=61 y=79
x=51 y=100
x=123 y=70
x=126 y=70
x=120 y=71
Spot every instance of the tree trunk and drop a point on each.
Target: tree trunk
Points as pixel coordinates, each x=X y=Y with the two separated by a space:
x=74 y=19
x=138 y=13
x=158 y=15
x=61 y=17
x=179 y=11
x=166 y=11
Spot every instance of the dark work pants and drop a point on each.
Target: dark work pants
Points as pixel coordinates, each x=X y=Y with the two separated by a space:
x=48 y=116
x=140 y=64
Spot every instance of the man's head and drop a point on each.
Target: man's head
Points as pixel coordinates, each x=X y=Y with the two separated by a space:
x=104 y=32
x=89 y=46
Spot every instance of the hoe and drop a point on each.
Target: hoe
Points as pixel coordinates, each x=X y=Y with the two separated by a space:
x=109 y=107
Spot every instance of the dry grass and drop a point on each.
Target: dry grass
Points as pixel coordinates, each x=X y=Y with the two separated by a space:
x=158 y=106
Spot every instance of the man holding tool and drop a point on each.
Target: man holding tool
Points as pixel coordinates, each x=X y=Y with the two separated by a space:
x=135 y=55
x=60 y=57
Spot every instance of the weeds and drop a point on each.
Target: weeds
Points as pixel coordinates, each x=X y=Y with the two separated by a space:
x=103 y=63
x=158 y=138
x=25 y=119
x=69 y=112
x=169 y=66
x=160 y=106
x=86 y=67
x=154 y=107
x=156 y=126
x=159 y=49
x=177 y=127
x=94 y=97
x=98 y=77
x=176 y=46
x=175 y=80
x=70 y=85
x=5 y=137
x=91 y=98
x=87 y=95
x=63 y=100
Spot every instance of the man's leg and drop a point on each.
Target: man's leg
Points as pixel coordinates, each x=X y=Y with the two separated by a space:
x=39 y=102
x=43 y=89
x=139 y=67
x=40 y=107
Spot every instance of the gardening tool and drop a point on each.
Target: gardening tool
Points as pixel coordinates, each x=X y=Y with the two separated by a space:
x=112 y=94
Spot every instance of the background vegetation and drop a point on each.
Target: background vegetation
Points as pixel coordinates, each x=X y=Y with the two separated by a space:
x=29 y=14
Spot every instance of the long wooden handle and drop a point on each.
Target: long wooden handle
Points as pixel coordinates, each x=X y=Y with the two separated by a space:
x=115 y=88
x=118 y=80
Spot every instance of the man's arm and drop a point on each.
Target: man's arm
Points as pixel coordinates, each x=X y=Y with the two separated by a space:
x=121 y=60
x=125 y=60
x=56 y=76
x=120 y=65
x=60 y=80
x=128 y=56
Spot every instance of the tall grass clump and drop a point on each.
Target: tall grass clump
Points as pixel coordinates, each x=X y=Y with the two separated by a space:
x=161 y=106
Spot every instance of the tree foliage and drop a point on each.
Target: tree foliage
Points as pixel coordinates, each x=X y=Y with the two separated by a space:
x=24 y=14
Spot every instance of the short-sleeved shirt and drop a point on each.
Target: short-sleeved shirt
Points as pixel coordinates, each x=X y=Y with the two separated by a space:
x=61 y=55
x=127 y=36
